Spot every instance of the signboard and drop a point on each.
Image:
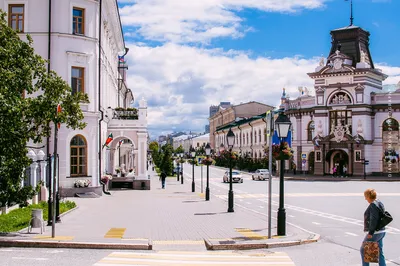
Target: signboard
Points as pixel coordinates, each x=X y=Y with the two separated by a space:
x=304 y=161
x=304 y=155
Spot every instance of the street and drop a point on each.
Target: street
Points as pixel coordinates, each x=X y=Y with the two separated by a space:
x=332 y=209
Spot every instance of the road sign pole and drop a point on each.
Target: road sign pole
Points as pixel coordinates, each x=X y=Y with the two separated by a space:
x=270 y=130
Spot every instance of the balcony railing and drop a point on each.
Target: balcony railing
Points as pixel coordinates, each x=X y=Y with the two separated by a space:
x=125 y=114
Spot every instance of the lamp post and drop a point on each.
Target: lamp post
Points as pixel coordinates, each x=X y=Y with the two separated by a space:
x=181 y=168
x=193 y=153
x=176 y=155
x=282 y=124
x=208 y=151
x=230 y=137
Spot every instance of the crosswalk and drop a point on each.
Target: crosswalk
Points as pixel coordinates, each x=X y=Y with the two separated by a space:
x=169 y=258
x=274 y=195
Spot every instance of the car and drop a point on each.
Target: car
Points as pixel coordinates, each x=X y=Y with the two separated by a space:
x=176 y=170
x=261 y=174
x=236 y=177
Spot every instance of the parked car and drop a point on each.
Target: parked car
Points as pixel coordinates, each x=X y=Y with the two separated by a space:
x=261 y=174
x=176 y=170
x=236 y=177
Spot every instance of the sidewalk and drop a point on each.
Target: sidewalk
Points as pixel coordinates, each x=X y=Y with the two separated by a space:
x=173 y=218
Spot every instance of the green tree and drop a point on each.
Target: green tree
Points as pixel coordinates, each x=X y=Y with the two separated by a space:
x=29 y=96
x=179 y=150
x=167 y=164
x=153 y=147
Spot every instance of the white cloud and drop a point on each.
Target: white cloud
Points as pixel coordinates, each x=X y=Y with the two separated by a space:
x=181 y=82
x=193 y=21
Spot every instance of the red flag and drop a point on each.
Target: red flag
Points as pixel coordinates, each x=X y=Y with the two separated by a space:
x=59 y=111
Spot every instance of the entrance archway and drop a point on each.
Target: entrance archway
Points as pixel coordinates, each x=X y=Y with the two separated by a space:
x=338 y=158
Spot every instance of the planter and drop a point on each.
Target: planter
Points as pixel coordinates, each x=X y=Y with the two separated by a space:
x=281 y=156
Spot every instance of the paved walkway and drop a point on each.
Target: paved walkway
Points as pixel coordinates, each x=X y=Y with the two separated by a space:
x=171 y=218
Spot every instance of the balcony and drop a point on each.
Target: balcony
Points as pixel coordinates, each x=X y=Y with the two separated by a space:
x=125 y=114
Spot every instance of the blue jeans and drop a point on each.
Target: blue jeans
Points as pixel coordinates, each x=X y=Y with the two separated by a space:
x=375 y=238
x=163 y=183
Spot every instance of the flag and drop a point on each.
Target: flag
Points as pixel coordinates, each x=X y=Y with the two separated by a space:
x=108 y=140
x=120 y=142
x=121 y=59
x=58 y=111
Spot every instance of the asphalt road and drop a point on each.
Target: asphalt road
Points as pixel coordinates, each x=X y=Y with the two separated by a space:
x=332 y=209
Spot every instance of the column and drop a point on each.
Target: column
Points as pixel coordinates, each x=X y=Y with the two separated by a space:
x=33 y=178
x=142 y=155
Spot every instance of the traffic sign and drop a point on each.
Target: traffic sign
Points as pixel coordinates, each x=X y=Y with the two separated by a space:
x=303 y=155
x=304 y=161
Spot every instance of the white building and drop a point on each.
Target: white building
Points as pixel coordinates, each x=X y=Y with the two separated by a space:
x=188 y=141
x=70 y=35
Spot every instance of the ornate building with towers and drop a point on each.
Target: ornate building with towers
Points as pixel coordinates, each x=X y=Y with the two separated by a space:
x=352 y=117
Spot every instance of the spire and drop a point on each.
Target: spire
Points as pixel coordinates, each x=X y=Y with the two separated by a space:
x=351 y=12
x=283 y=93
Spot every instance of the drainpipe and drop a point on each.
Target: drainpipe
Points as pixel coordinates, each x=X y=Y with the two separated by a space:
x=251 y=143
x=99 y=99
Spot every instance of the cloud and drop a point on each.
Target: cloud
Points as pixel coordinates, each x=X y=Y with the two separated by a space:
x=193 y=21
x=181 y=82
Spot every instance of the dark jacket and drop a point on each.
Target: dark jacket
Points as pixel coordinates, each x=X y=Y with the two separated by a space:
x=372 y=217
x=163 y=176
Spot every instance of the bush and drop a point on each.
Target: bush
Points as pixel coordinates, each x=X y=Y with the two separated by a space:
x=18 y=219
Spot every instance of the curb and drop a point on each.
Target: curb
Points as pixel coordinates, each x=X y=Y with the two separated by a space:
x=231 y=245
x=339 y=180
x=73 y=245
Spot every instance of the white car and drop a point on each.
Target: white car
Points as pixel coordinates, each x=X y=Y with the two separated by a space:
x=261 y=174
x=236 y=177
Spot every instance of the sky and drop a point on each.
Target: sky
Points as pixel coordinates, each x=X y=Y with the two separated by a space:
x=186 y=55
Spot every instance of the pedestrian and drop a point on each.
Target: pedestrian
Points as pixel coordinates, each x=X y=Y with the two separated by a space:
x=344 y=171
x=294 y=169
x=334 y=169
x=375 y=233
x=163 y=176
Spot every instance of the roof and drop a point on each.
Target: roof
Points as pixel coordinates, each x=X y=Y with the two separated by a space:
x=241 y=122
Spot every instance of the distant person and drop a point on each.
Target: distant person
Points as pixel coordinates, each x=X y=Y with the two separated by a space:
x=163 y=176
x=334 y=171
x=375 y=233
x=344 y=171
x=294 y=169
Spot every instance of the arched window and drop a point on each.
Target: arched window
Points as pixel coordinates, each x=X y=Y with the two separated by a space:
x=255 y=136
x=310 y=131
x=78 y=159
x=260 y=154
x=237 y=141
x=255 y=155
x=247 y=138
x=259 y=135
x=390 y=124
x=244 y=142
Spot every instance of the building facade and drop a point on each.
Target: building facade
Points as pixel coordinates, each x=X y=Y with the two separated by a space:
x=233 y=113
x=84 y=43
x=351 y=118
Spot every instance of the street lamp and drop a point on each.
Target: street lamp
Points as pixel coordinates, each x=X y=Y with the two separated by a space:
x=176 y=155
x=193 y=153
x=181 y=154
x=208 y=151
x=282 y=124
x=230 y=137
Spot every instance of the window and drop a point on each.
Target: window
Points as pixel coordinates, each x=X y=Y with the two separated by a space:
x=78 y=156
x=318 y=157
x=16 y=17
x=310 y=131
x=259 y=135
x=342 y=118
x=78 y=21
x=77 y=79
x=357 y=156
x=255 y=136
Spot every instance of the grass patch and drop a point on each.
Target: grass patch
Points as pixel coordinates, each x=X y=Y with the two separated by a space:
x=18 y=219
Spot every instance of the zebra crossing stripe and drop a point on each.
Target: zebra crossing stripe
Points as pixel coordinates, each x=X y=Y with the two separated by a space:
x=195 y=258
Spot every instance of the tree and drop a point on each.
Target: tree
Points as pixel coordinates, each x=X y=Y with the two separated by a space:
x=29 y=96
x=167 y=164
x=179 y=150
